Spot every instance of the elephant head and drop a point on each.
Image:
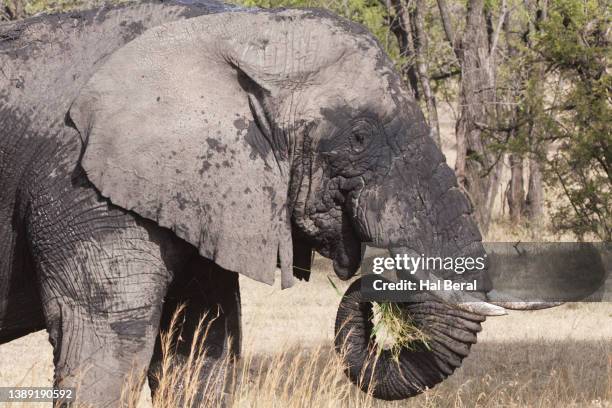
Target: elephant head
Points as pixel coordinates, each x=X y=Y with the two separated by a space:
x=258 y=135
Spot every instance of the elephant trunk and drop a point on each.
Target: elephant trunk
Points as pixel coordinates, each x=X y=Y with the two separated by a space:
x=447 y=335
x=417 y=210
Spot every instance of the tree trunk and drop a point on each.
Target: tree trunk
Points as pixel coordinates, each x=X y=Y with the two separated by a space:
x=477 y=168
x=535 y=197
x=534 y=204
x=446 y=24
x=516 y=191
x=420 y=43
x=400 y=26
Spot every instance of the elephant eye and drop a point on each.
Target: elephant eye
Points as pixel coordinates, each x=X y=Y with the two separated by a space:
x=361 y=136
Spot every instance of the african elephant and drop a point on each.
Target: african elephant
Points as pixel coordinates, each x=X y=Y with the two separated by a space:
x=156 y=151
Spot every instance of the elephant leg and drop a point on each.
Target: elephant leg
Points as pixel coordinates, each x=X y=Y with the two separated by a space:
x=212 y=295
x=102 y=300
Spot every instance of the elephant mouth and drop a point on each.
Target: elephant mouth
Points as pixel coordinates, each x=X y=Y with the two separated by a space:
x=345 y=271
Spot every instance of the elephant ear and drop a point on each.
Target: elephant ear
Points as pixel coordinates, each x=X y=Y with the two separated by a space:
x=179 y=134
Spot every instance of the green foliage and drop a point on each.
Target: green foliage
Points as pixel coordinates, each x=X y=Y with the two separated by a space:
x=575 y=45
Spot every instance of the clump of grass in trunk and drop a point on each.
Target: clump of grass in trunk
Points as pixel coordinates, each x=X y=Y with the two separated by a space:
x=394 y=329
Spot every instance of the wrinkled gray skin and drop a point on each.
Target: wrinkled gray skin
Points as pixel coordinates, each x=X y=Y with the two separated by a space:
x=139 y=144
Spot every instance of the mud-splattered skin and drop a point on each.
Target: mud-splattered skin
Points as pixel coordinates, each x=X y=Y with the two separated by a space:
x=141 y=143
x=101 y=273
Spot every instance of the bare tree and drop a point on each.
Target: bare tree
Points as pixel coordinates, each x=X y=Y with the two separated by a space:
x=408 y=26
x=399 y=24
x=534 y=204
x=515 y=192
x=478 y=167
x=420 y=42
x=516 y=189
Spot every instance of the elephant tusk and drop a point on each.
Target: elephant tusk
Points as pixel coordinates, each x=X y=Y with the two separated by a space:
x=470 y=304
x=483 y=308
x=461 y=300
x=512 y=303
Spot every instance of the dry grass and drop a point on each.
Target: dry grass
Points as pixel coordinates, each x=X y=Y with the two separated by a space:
x=553 y=358
x=521 y=374
x=559 y=357
x=291 y=378
x=394 y=329
x=549 y=374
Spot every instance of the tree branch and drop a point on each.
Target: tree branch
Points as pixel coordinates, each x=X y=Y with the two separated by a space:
x=399 y=24
x=420 y=46
x=500 y=23
x=447 y=24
